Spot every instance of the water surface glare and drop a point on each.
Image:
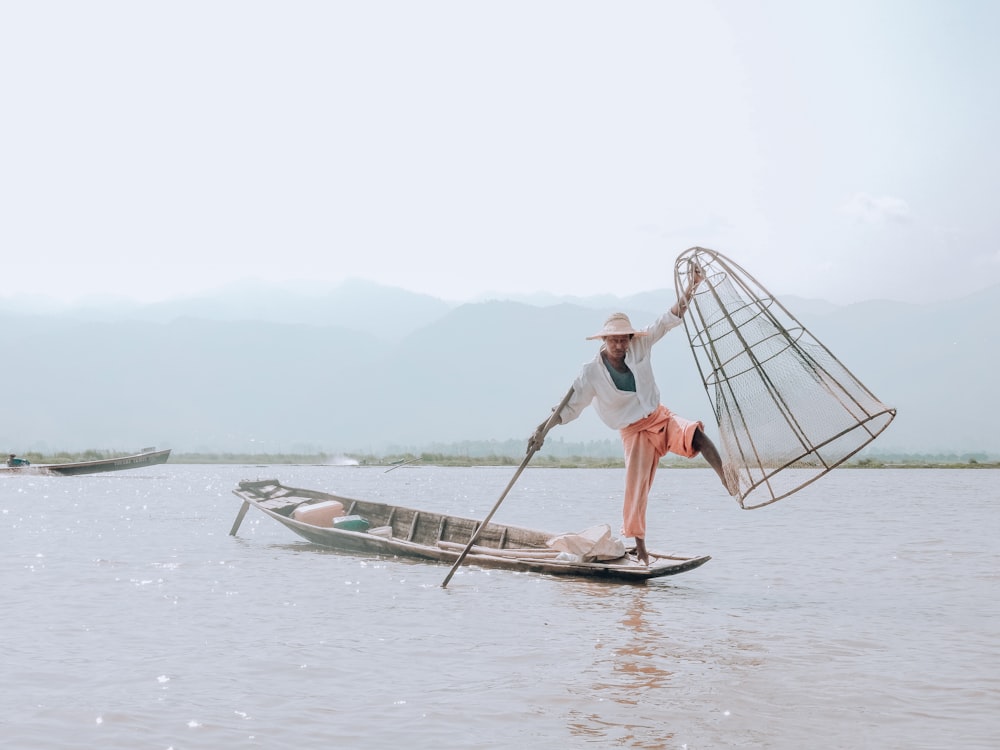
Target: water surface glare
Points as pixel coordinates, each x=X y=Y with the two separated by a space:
x=860 y=613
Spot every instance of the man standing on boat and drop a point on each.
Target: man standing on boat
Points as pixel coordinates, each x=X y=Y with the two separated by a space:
x=620 y=382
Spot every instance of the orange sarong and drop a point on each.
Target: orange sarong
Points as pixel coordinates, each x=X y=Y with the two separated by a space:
x=646 y=441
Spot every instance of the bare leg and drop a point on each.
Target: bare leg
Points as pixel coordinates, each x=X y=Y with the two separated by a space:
x=703 y=444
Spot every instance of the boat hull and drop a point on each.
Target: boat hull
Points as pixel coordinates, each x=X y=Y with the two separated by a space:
x=432 y=537
x=136 y=461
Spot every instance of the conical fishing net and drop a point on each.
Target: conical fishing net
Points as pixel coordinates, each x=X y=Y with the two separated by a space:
x=788 y=410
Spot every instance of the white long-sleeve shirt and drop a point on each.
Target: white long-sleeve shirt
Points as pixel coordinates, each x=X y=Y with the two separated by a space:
x=618 y=409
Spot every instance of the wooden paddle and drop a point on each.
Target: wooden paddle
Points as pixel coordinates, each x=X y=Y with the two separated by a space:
x=239 y=518
x=532 y=450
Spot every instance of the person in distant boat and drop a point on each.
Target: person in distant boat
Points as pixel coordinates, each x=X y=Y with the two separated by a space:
x=620 y=382
x=12 y=460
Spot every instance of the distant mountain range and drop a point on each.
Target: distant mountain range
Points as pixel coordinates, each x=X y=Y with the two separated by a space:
x=366 y=368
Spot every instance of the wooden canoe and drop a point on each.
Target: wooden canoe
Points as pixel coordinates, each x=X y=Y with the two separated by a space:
x=135 y=461
x=396 y=531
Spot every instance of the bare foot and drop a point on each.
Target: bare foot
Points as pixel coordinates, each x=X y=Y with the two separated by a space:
x=731 y=481
x=640 y=551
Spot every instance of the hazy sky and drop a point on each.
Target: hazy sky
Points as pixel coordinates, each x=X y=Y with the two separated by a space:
x=843 y=150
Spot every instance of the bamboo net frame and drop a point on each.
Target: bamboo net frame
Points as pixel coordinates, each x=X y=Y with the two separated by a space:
x=788 y=410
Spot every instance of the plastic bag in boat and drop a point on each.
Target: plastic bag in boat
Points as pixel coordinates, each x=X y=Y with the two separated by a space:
x=595 y=543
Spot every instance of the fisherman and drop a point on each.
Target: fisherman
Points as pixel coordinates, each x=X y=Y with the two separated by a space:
x=619 y=380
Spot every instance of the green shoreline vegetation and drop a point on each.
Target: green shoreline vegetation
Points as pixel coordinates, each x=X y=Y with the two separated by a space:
x=540 y=460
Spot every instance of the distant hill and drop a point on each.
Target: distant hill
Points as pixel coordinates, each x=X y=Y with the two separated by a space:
x=363 y=306
x=362 y=367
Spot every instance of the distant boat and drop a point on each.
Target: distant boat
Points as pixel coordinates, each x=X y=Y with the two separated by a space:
x=366 y=527
x=148 y=457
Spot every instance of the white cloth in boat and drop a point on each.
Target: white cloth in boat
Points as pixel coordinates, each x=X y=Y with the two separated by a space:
x=595 y=543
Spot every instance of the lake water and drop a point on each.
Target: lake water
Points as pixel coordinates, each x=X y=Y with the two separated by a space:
x=860 y=613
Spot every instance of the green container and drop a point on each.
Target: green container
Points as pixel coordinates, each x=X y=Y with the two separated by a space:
x=351 y=523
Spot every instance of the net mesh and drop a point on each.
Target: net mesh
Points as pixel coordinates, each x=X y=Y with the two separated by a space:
x=788 y=410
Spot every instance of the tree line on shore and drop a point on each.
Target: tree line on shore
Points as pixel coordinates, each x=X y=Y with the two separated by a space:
x=465 y=458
